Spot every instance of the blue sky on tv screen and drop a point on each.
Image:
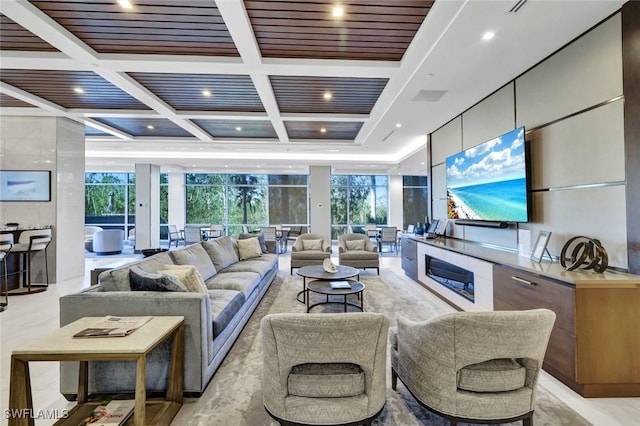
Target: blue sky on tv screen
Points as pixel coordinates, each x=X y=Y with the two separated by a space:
x=497 y=160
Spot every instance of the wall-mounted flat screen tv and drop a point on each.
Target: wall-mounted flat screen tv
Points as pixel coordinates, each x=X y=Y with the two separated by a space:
x=25 y=185
x=489 y=181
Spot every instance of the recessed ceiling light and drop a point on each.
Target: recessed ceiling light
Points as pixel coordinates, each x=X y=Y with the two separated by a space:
x=398 y=125
x=226 y=165
x=323 y=130
x=206 y=93
x=78 y=89
x=150 y=127
x=488 y=35
x=193 y=165
x=239 y=128
x=422 y=164
x=327 y=95
x=125 y=4
x=337 y=11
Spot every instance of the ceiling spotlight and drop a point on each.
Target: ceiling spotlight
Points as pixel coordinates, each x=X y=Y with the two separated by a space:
x=398 y=125
x=239 y=128
x=78 y=89
x=327 y=95
x=206 y=93
x=226 y=165
x=125 y=4
x=323 y=130
x=488 y=35
x=337 y=11
x=150 y=127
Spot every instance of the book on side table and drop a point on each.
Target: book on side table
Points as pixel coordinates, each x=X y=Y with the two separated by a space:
x=340 y=284
x=113 y=326
x=110 y=413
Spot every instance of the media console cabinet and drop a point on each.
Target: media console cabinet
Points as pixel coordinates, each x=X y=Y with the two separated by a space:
x=595 y=343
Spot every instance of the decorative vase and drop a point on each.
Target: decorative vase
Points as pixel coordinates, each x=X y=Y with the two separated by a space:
x=419 y=229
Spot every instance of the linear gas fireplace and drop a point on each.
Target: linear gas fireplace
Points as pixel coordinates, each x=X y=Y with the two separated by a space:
x=451 y=276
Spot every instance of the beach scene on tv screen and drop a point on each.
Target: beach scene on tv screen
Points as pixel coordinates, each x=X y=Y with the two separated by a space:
x=489 y=181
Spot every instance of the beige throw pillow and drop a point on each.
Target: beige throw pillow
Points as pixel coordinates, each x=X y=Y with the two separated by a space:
x=188 y=276
x=249 y=248
x=355 y=245
x=312 y=244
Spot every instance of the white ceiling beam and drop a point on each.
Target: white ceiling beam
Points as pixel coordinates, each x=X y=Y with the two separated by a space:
x=32 y=99
x=108 y=129
x=239 y=26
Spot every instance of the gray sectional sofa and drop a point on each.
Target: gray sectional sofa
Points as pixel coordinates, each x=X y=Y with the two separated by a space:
x=213 y=320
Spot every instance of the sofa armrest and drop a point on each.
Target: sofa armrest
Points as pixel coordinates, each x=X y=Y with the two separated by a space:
x=194 y=307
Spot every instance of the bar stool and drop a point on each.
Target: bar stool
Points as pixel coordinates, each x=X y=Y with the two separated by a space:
x=29 y=244
x=6 y=242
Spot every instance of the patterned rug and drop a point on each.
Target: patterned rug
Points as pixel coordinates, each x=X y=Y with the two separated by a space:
x=234 y=396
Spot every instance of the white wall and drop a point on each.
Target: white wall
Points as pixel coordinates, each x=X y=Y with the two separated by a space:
x=55 y=144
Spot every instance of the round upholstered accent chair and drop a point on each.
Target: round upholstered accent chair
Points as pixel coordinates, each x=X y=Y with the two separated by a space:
x=324 y=369
x=473 y=367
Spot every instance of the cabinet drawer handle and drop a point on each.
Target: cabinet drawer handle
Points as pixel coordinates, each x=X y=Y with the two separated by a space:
x=520 y=280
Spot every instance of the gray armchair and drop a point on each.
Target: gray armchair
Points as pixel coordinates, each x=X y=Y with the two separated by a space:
x=327 y=369
x=357 y=251
x=473 y=367
x=305 y=251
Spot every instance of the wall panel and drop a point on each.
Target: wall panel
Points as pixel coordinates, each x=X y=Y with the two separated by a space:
x=446 y=141
x=593 y=212
x=585 y=73
x=584 y=149
x=490 y=118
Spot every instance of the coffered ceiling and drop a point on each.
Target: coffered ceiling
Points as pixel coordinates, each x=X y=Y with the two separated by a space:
x=273 y=86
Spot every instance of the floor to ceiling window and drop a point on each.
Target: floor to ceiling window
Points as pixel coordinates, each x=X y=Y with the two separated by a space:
x=415 y=204
x=358 y=200
x=246 y=199
x=110 y=201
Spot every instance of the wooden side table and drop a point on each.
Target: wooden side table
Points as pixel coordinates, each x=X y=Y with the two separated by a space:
x=62 y=346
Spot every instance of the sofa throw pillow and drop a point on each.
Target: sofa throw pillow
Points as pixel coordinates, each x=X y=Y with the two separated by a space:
x=263 y=245
x=142 y=280
x=249 y=248
x=312 y=244
x=197 y=256
x=222 y=251
x=355 y=245
x=189 y=276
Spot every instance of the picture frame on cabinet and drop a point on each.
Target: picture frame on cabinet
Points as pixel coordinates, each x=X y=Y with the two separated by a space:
x=540 y=247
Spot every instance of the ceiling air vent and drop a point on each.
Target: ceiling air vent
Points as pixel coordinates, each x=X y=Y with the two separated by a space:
x=516 y=6
x=428 y=95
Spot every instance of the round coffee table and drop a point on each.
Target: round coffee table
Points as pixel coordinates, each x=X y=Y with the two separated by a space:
x=324 y=287
x=317 y=272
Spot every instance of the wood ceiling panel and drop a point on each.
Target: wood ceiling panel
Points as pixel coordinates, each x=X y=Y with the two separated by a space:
x=179 y=28
x=306 y=94
x=58 y=87
x=346 y=130
x=258 y=129
x=380 y=30
x=184 y=91
x=7 y=101
x=16 y=37
x=139 y=127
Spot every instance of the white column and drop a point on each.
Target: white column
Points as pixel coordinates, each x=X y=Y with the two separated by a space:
x=177 y=200
x=320 y=200
x=396 y=206
x=147 y=206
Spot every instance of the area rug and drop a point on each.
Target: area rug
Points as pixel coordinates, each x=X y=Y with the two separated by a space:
x=234 y=395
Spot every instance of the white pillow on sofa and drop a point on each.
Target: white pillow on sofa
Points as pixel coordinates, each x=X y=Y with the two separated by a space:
x=355 y=245
x=249 y=247
x=188 y=275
